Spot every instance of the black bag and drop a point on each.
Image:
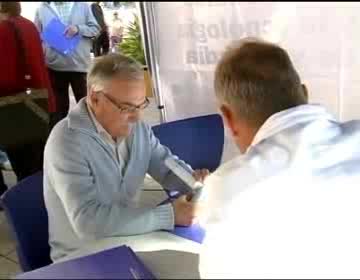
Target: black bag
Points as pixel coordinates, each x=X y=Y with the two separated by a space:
x=24 y=117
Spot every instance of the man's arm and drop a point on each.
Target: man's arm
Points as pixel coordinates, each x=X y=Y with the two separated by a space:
x=158 y=170
x=73 y=182
x=91 y=28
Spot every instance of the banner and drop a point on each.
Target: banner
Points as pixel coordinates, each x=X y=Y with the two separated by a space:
x=188 y=38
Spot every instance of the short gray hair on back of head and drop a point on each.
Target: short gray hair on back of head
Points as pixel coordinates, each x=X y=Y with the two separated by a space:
x=257 y=79
x=114 y=65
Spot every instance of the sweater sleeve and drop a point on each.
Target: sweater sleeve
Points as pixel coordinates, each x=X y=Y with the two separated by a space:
x=91 y=28
x=67 y=166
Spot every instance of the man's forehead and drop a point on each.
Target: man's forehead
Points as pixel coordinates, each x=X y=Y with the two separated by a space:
x=126 y=90
x=119 y=82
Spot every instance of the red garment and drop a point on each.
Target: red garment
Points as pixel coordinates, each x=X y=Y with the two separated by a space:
x=11 y=77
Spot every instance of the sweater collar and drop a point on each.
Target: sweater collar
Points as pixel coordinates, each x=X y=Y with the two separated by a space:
x=80 y=119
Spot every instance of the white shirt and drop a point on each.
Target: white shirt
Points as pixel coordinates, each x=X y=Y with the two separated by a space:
x=118 y=147
x=289 y=207
x=117 y=28
x=61 y=16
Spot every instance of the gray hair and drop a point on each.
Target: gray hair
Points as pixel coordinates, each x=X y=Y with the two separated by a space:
x=107 y=67
x=257 y=79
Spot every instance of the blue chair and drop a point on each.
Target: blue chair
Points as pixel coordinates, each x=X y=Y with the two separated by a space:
x=27 y=216
x=199 y=141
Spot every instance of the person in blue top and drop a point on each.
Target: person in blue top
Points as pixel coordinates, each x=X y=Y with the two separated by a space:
x=68 y=69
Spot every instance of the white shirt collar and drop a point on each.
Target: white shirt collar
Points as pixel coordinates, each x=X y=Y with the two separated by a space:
x=100 y=129
x=289 y=118
x=53 y=6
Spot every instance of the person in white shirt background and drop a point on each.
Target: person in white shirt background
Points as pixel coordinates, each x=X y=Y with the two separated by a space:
x=116 y=31
x=288 y=205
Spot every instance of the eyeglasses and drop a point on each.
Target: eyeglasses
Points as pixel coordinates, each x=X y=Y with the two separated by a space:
x=125 y=108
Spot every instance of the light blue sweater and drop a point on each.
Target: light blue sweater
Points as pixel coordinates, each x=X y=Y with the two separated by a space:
x=86 y=196
x=79 y=59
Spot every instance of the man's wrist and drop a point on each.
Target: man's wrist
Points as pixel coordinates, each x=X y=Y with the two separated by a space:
x=165 y=216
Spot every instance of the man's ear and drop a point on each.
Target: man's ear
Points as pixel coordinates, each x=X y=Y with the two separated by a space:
x=229 y=119
x=305 y=92
x=93 y=97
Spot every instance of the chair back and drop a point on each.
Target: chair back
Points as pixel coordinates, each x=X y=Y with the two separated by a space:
x=199 y=141
x=26 y=214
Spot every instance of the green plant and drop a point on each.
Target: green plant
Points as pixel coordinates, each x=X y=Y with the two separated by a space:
x=131 y=44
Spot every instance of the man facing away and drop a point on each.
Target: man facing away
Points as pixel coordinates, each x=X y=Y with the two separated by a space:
x=96 y=160
x=288 y=205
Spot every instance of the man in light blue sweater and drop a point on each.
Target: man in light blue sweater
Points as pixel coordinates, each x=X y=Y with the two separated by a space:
x=96 y=160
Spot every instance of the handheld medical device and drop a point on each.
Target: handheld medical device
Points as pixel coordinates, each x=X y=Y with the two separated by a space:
x=186 y=176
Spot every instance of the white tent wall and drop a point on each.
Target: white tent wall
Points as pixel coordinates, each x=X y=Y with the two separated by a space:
x=187 y=39
x=28 y=9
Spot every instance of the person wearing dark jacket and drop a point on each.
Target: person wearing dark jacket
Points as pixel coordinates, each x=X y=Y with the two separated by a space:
x=101 y=44
x=24 y=82
x=9 y=75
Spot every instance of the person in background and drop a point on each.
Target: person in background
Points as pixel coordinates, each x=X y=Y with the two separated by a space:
x=4 y=165
x=24 y=81
x=288 y=205
x=96 y=160
x=117 y=31
x=3 y=186
x=101 y=43
x=3 y=160
x=68 y=69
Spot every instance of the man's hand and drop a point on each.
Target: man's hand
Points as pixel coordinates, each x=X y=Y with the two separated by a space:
x=201 y=174
x=71 y=31
x=185 y=212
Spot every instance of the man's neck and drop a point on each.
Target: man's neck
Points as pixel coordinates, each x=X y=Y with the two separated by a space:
x=246 y=136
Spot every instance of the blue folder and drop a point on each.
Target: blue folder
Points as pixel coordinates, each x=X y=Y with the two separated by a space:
x=53 y=35
x=195 y=232
x=116 y=263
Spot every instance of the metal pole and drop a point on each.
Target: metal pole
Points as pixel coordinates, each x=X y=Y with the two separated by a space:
x=149 y=34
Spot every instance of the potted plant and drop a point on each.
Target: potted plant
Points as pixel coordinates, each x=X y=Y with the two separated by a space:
x=132 y=46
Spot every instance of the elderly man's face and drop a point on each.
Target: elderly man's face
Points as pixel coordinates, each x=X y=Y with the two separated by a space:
x=119 y=105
